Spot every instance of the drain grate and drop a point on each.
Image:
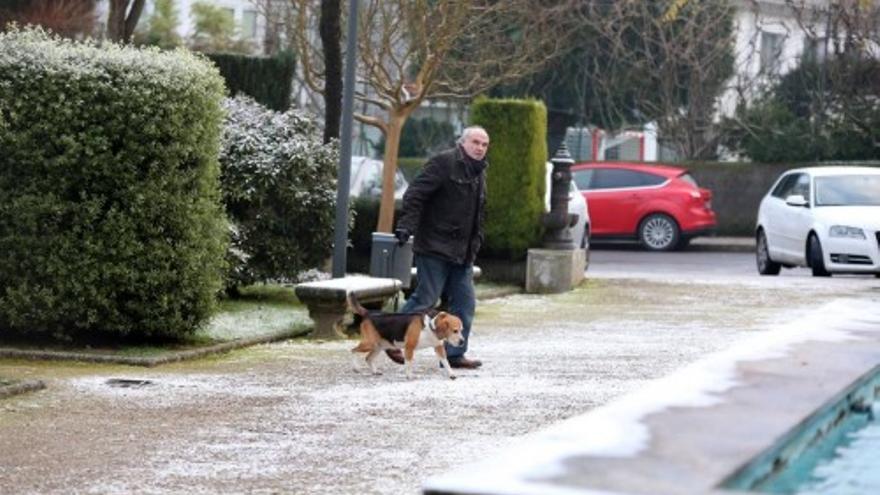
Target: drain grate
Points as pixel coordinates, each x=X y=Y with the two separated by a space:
x=128 y=383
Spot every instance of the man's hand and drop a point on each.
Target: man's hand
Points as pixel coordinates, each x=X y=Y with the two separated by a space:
x=402 y=236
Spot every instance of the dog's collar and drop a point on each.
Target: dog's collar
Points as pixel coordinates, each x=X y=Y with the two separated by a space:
x=431 y=323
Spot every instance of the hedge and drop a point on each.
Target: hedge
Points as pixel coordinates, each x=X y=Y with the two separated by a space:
x=279 y=188
x=516 y=174
x=411 y=166
x=110 y=216
x=265 y=79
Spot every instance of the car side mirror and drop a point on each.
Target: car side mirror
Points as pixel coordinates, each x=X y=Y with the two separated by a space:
x=796 y=200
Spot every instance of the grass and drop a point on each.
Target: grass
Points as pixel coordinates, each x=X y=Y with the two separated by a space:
x=261 y=310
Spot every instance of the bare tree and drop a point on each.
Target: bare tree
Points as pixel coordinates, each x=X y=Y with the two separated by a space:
x=413 y=50
x=665 y=61
x=123 y=18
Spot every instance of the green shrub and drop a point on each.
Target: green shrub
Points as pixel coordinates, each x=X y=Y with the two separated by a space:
x=266 y=79
x=515 y=177
x=279 y=187
x=411 y=166
x=110 y=217
x=422 y=137
x=365 y=210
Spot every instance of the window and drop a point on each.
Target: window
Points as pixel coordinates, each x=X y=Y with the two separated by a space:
x=615 y=178
x=784 y=187
x=802 y=186
x=249 y=24
x=612 y=153
x=689 y=179
x=863 y=190
x=582 y=178
x=815 y=49
x=771 y=51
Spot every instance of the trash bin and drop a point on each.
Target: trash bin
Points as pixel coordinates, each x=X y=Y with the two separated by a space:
x=390 y=260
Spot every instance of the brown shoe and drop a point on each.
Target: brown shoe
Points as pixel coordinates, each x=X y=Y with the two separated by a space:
x=395 y=355
x=465 y=363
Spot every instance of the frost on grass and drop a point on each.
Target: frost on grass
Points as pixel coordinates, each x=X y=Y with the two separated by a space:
x=256 y=321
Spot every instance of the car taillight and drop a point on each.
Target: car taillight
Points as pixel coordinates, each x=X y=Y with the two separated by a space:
x=707 y=197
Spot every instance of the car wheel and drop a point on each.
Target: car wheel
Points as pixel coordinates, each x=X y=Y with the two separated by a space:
x=766 y=266
x=659 y=232
x=817 y=260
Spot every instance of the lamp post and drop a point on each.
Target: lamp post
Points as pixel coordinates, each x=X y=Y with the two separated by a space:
x=340 y=238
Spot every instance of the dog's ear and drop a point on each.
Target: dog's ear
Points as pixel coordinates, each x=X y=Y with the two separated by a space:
x=442 y=322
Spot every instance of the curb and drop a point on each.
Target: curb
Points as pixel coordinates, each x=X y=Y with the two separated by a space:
x=150 y=362
x=20 y=388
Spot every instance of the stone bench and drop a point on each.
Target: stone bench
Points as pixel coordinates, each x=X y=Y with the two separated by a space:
x=327 y=300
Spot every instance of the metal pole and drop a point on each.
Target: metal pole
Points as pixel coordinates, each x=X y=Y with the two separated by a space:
x=340 y=238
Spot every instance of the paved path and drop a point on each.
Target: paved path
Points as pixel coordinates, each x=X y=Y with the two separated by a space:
x=293 y=417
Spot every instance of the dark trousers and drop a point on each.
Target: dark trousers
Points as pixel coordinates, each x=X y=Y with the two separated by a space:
x=455 y=283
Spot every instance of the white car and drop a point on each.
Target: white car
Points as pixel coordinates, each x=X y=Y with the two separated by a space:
x=366 y=178
x=824 y=218
x=580 y=232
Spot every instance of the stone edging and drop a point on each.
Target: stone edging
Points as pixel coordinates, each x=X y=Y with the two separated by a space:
x=16 y=388
x=150 y=362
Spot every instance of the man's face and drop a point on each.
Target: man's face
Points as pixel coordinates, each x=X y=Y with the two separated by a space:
x=476 y=144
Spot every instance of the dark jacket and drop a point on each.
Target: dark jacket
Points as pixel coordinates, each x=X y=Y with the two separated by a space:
x=444 y=207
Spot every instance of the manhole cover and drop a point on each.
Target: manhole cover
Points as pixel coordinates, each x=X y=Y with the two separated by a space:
x=128 y=383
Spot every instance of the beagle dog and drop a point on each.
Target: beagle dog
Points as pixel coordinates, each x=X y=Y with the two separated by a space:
x=410 y=331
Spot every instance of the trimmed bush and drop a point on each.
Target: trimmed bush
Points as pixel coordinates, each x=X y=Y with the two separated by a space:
x=279 y=187
x=515 y=178
x=422 y=137
x=266 y=79
x=410 y=167
x=110 y=216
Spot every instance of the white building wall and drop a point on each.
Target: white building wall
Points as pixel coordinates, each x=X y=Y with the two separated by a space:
x=751 y=21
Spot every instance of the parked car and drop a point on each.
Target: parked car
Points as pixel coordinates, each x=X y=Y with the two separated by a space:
x=366 y=178
x=580 y=232
x=661 y=206
x=824 y=218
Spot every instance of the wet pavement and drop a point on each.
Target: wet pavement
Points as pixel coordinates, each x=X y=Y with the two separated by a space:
x=293 y=417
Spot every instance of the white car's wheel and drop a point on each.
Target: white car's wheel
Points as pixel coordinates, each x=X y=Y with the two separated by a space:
x=659 y=232
x=817 y=259
x=766 y=266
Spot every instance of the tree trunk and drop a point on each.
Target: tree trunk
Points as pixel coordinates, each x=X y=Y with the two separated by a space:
x=389 y=169
x=121 y=21
x=330 y=38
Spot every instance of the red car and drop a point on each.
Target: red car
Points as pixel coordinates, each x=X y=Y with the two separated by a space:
x=659 y=205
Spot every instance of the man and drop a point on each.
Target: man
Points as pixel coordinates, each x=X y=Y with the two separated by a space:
x=444 y=209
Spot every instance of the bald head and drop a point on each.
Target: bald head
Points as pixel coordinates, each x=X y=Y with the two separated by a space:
x=475 y=142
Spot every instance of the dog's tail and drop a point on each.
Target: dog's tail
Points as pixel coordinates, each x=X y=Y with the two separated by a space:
x=356 y=306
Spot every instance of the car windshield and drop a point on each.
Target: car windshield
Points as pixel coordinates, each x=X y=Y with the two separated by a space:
x=848 y=190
